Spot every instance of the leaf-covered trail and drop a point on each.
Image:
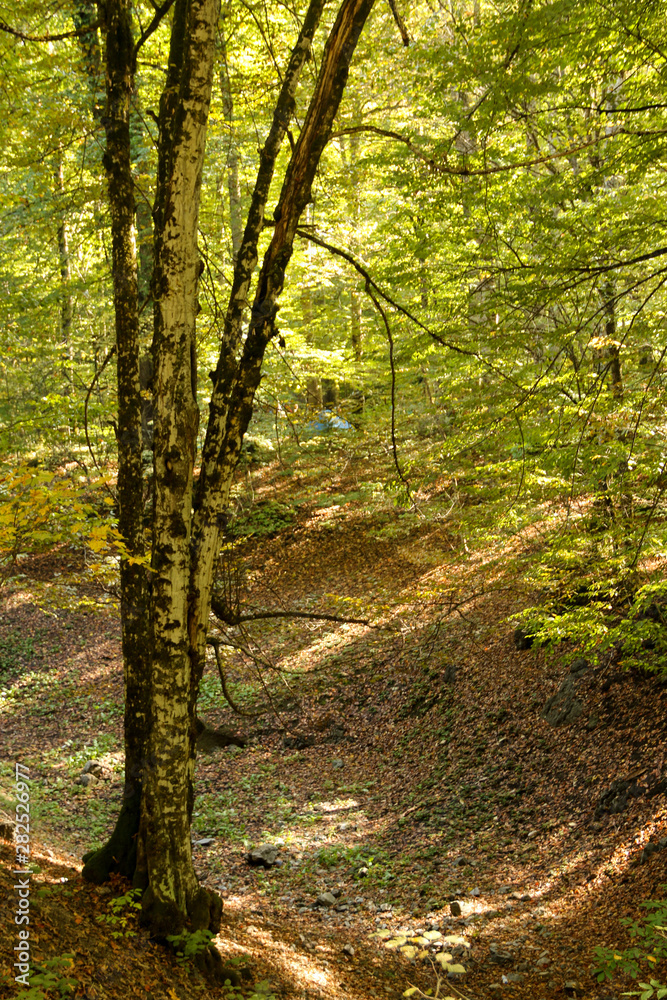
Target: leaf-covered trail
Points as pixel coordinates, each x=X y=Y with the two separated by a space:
x=407 y=770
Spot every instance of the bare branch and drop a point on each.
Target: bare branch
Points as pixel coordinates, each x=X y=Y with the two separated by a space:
x=212 y=641
x=221 y=611
x=400 y=23
x=76 y=33
x=444 y=168
x=160 y=14
x=87 y=400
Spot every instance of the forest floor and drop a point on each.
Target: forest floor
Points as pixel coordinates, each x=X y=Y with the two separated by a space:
x=405 y=767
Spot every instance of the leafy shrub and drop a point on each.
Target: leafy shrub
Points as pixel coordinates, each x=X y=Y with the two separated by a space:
x=267 y=518
x=50 y=977
x=189 y=944
x=123 y=913
x=650 y=935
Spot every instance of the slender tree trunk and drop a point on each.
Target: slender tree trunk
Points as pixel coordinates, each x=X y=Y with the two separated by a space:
x=232 y=165
x=66 y=309
x=187 y=522
x=119 y=853
x=173 y=894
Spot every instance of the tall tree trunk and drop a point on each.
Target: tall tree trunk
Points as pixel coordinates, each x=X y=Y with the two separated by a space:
x=119 y=853
x=187 y=524
x=173 y=895
x=66 y=308
x=232 y=165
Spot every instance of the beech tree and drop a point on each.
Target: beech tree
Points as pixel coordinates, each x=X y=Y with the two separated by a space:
x=166 y=594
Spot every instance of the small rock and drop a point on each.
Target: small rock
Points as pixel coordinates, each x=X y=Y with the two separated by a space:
x=499 y=957
x=593 y=722
x=325 y=899
x=545 y=960
x=7 y=827
x=204 y=842
x=563 y=708
x=337 y=764
x=450 y=673
x=94 y=767
x=522 y=640
x=476 y=892
x=455 y=909
x=514 y=977
x=460 y=862
x=299 y=742
x=347 y=949
x=265 y=856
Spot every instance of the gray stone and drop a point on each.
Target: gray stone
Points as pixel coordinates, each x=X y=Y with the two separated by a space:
x=615 y=798
x=347 y=949
x=514 y=977
x=563 y=708
x=461 y=862
x=325 y=899
x=264 y=856
x=500 y=957
x=337 y=764
x=7 y=827
x=455 y=909
x=475 y=892
x=204 y=842
x=98 y=770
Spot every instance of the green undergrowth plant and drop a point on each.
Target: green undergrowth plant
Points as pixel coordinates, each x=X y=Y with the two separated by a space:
x=51 y=977
x=189 y=944
x=264 y=520
x=650 y=948
x=124 y=913
x=601 y=616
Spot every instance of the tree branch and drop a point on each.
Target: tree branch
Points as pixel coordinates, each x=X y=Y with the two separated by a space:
x=160 y=13
x=212 y=641
x=400 y=23
x=443 y=168
x=76 y=33
x=222 y=612
x=87 y=400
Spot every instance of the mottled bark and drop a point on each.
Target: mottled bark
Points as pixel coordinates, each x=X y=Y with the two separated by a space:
x=185 y=548
x=173 y=895
x=235 y=380
x=85 y=16
x=119 y=854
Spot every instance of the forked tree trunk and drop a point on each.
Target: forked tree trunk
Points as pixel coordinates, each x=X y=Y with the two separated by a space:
x=187 y=521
